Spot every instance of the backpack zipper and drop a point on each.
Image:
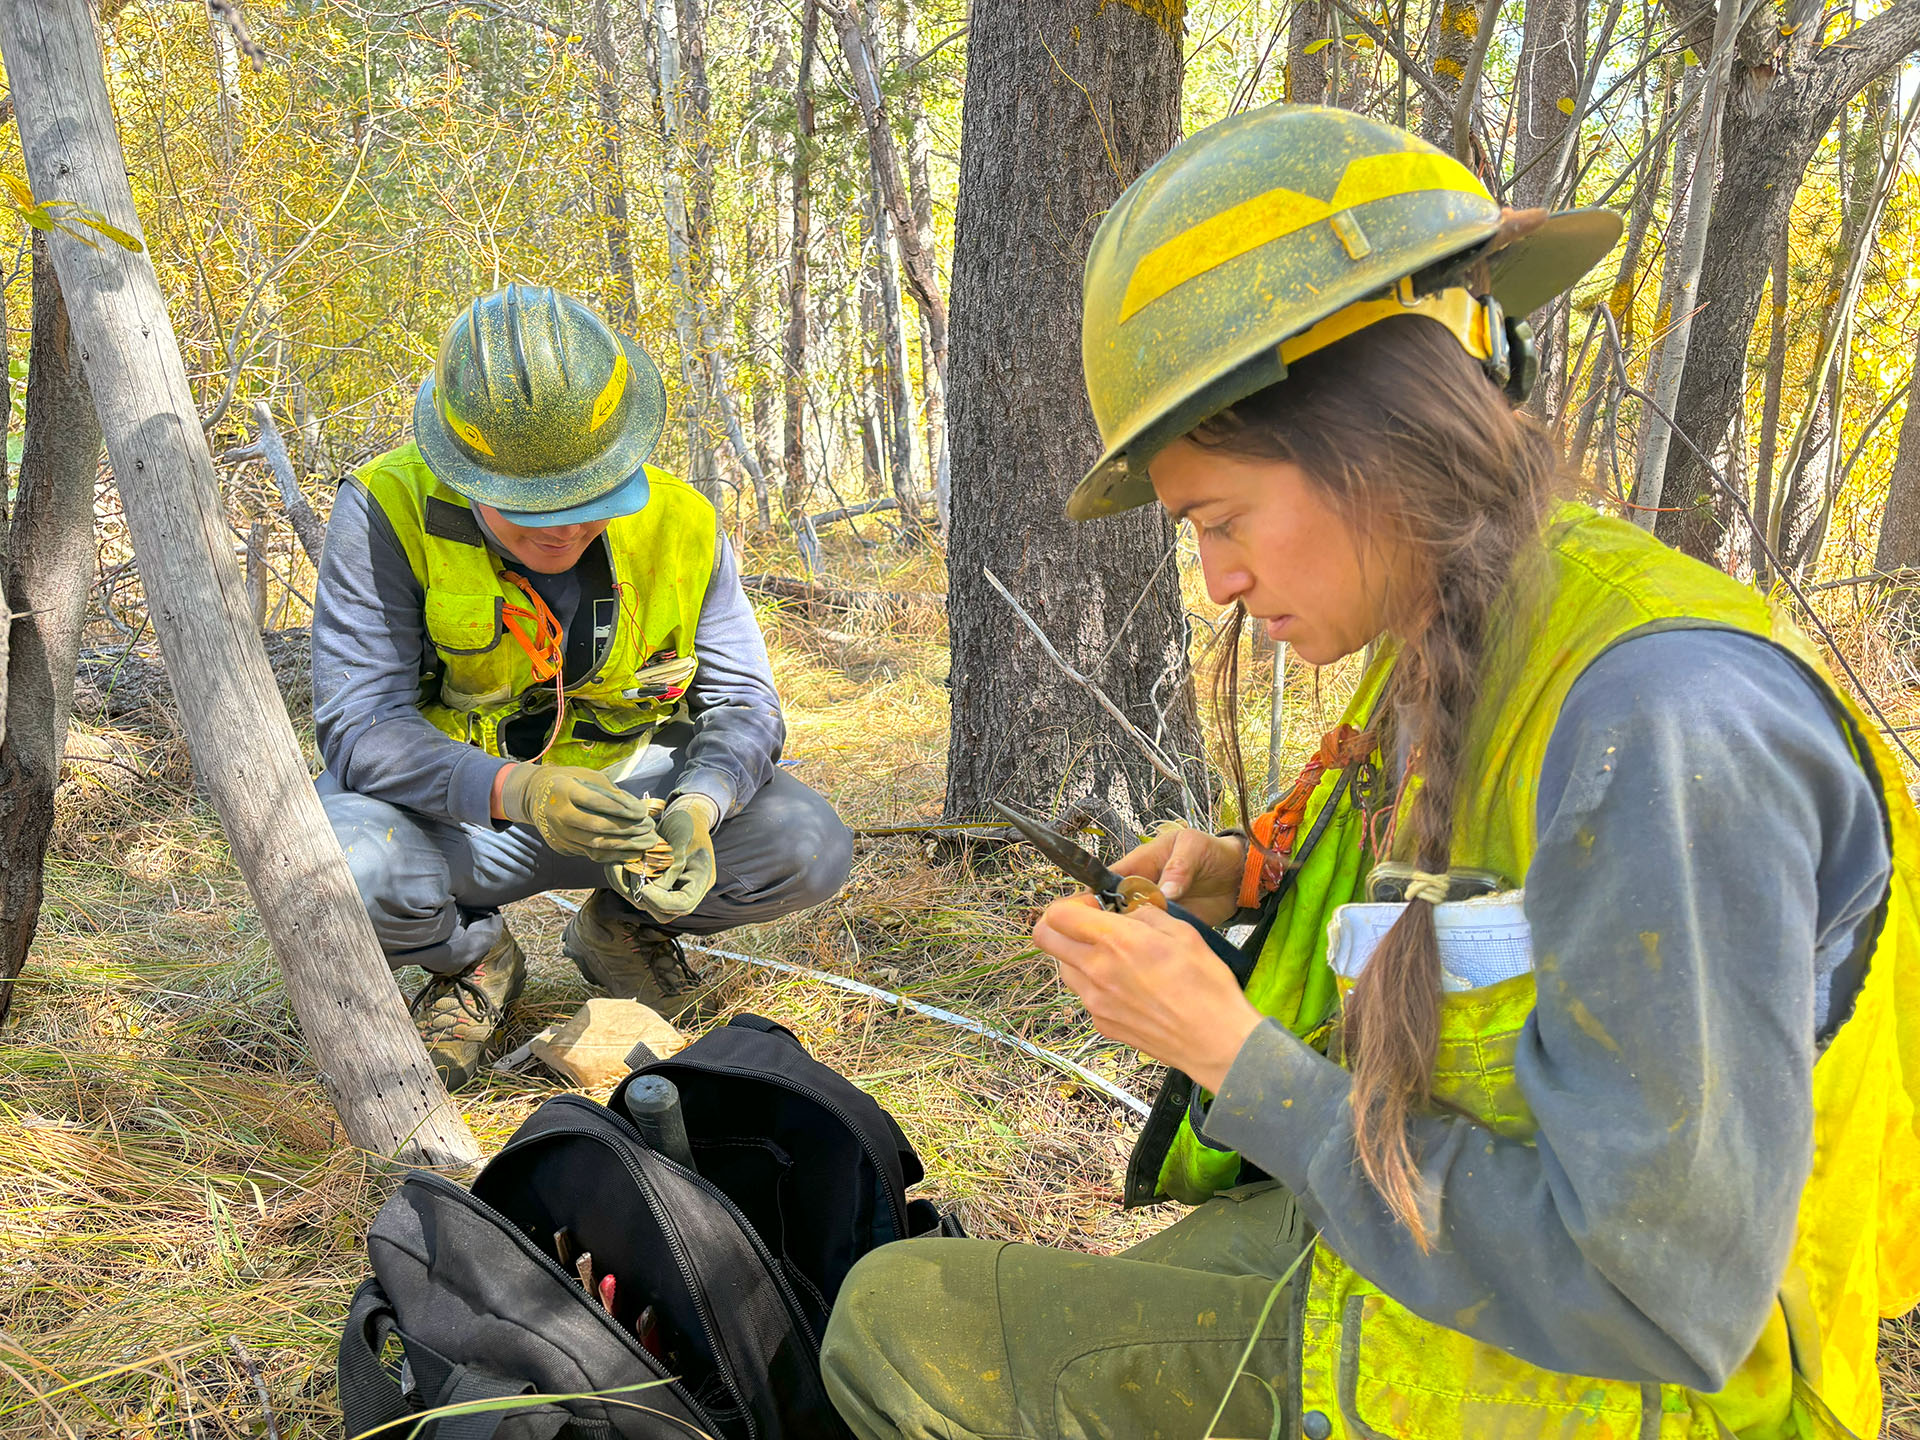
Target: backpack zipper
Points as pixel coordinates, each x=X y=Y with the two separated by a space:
x=572 y=1285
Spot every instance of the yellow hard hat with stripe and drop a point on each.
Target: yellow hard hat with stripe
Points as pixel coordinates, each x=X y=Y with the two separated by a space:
x=1273 y=234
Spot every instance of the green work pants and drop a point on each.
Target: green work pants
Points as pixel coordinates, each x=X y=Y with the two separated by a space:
x=981 y=1340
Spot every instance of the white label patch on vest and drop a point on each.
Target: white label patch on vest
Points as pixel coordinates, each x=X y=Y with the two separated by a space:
x=1482 y=941
x=604 y=612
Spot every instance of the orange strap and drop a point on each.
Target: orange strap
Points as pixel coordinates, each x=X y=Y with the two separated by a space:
x=1274 y=832
x=544 y=644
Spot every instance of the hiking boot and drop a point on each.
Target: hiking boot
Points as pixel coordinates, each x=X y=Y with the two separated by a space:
x=627 y=955
x=459 y=1016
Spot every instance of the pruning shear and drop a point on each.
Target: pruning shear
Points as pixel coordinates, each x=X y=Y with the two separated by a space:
x=1120 y=894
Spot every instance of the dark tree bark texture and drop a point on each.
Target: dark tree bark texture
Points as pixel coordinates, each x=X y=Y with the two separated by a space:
x=49 y=572
x=1784 y=96
x=1067 y=101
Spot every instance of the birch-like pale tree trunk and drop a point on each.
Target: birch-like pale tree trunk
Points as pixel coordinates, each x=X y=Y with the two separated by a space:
x=794 y=349
x=1670 y=360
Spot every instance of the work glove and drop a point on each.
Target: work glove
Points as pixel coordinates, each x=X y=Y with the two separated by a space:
x=578 y=811
x=687 y=827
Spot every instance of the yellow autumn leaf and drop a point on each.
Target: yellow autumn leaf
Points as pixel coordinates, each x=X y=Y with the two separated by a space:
x=1565 y=102
x=22 y=192
x=1317 y=46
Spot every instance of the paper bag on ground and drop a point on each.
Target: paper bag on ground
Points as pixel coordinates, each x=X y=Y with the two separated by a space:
x=591 y=1047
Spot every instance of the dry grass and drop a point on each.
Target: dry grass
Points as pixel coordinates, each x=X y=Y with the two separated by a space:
x=172 y=1180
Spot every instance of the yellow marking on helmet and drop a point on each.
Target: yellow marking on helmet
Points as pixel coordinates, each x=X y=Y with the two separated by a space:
x=1458 y=309
x=609 y=397
x=475 y=440
x=1280 y=212
x=1402 y=172
x=1218 y=239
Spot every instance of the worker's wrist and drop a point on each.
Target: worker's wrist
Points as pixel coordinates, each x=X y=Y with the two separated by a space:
x=509 y=792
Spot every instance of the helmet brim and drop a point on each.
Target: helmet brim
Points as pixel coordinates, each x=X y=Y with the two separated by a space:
x=618 y=471
x=1524 y=275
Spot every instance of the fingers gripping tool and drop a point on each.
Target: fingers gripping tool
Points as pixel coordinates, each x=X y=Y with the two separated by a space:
x=1119 y=894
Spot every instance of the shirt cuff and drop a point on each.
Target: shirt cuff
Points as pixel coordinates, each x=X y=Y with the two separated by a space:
x=1278 y=1104
x=715 y=785
x=470 y=791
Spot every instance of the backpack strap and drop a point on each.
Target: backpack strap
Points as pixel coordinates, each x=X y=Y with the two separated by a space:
x=370 y=1394
x=465 y=1384
x=371 y=1397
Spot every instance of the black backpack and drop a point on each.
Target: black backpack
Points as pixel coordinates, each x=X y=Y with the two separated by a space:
x=800 y=1173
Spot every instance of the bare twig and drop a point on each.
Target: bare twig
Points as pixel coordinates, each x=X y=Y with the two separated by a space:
x=273 y=450
x=1409 y=67
x=1164 y=767
x=228 y=12
x=242 y=350
x=1469 y=97
x=259 y=1384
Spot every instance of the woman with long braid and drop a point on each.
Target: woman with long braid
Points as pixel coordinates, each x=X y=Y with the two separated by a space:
x=1572 y=1086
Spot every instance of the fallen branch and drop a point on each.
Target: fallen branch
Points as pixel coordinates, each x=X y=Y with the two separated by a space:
x=810 y=596
x=847 y=512
x=259 y=1384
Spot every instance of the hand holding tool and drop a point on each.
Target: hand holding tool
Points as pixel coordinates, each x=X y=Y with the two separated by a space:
x=579 y=811
x=687 y=829
x=1119 y=894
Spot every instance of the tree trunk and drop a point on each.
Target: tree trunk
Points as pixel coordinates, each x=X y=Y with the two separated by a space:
x=606 y=93
x=1784 y=96
x=49 y=573
x=1458 y=27
x=894 y=374
x=703 y=367
x=1899 y=546
x=1670 y=360
x=794 y=357
x=1306 y=75
x=696 y=122
x=919 y=182
x=1039 y=166
x=370 y=1060
x=917 y=260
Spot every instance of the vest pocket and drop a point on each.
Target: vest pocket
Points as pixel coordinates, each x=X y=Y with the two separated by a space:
x=463 y=624
x=468 y=700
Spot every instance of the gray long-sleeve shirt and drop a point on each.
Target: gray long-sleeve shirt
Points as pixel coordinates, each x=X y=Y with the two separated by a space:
x=1710 y=866
x=370 y=652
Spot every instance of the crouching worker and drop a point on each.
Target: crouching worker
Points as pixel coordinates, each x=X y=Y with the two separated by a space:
x=521 y=631
x=1651 y=1172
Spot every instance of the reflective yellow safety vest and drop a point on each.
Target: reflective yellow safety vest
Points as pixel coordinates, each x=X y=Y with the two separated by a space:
x=1373 y=1367
x=662 y=559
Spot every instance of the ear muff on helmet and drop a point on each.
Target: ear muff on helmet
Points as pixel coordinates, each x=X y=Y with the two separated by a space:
x=1514 y=364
